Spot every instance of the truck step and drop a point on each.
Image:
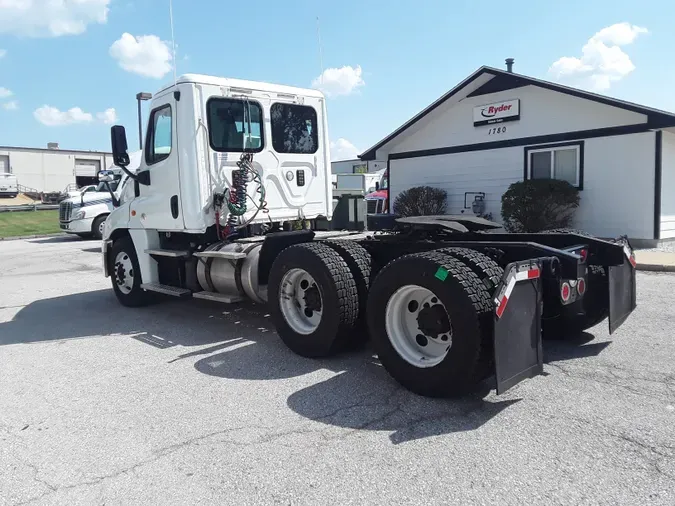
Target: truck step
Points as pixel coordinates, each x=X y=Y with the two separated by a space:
x=166 y=289
x=217 y=297
x=168 y=253
x=230 y=255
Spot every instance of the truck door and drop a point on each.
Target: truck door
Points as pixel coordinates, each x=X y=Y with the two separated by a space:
x=158 y=206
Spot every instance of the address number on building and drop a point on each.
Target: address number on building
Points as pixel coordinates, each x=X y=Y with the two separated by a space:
x=497 y=130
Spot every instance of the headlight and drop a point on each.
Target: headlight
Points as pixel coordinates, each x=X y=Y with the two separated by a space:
x=78 y=215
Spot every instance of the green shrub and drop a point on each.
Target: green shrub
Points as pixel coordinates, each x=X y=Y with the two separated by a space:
x=539 y=204
x=421 y=201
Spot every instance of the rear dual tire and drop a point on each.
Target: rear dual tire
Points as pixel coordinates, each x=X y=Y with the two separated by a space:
x=455 y=298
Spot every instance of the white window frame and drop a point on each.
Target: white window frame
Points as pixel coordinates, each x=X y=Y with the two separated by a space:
x=552 y=150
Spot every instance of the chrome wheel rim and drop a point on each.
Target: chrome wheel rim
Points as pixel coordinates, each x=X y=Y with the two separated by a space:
x=300 y=301
x=124 y=273
x=418 y=326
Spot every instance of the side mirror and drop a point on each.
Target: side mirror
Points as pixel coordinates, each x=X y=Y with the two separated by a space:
x=106 y=176
x=377 y=186
x=118 y=139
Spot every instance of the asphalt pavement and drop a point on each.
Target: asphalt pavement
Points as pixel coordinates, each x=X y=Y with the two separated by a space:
x=194 y=402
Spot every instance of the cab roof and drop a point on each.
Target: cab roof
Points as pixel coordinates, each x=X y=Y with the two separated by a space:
x=244 y=84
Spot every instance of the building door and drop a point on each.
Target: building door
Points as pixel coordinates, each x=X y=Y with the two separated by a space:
x=4 y=164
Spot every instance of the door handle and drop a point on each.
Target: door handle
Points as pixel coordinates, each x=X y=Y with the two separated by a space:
x=174 y=206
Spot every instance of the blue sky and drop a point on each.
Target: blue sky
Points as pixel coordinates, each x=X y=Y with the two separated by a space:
x=64 y=78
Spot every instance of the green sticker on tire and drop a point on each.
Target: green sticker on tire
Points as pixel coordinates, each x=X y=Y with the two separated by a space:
x=442 y=273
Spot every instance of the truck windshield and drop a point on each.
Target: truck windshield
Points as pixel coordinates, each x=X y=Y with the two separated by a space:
x=384 y=183
x=102 y=188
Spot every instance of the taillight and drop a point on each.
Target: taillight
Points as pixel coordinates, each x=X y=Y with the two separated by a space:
x=583 y=254
x=565 y=291
x=581 y=286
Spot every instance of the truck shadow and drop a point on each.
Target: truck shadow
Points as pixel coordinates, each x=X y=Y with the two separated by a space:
x=351 y=390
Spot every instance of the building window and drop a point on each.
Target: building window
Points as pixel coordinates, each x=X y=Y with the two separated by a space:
x=559 y=161
x=294 y=129
x=235 y=125
x=158 y=143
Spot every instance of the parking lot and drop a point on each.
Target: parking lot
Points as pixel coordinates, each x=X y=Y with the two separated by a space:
x=200 y=403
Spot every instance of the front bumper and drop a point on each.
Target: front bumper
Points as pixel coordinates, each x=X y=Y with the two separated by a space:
x=82 y=226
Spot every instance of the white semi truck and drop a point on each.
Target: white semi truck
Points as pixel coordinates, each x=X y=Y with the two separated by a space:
x=228 y=165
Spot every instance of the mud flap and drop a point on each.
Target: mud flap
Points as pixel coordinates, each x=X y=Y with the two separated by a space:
x=622 y=292
x=517 y=325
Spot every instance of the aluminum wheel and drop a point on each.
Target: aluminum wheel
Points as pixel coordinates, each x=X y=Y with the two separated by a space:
x=300 y=301
x=418 y=326
x=124 y=272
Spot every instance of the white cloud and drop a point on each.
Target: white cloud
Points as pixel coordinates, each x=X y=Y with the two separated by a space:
x=51 y=18
x=3 y=53
x=108 y=117
x=145 y=55
x=602 y=60
x=4 y=92
x=12 y=105
x=51 y=116
x=342 y=149
x=339 y=81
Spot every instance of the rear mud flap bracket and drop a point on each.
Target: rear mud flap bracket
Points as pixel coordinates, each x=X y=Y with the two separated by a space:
x=517 y=325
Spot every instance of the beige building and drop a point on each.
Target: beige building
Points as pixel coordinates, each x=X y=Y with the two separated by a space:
x=53 y=169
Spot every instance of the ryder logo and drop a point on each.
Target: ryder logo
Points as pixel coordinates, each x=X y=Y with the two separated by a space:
x=497 y=112
x=491 y=111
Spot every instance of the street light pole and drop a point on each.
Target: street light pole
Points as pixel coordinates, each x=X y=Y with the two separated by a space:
x=139 y=98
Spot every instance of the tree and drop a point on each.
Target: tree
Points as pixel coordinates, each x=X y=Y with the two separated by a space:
x=421 y=201
x=539 y=204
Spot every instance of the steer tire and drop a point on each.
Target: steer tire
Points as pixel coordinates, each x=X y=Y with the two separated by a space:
x=467 y=304
x=339 y=299
x=360 y=264
x=137 y=297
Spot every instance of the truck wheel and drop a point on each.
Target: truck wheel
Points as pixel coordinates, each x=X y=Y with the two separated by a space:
x=427 y=315
x=360 y=264
x=313 y=299
x=490 y=274
x=97 y=227
x=125 y=274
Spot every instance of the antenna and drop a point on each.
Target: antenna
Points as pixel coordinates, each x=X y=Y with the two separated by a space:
x=173 y=41
x=318 y=36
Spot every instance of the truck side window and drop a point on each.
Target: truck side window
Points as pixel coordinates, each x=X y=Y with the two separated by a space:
x=234 y=125
x=158 y=143
x=294 y=129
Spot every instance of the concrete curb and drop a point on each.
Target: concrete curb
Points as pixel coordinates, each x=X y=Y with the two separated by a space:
x=655 y=267
x=19 y=237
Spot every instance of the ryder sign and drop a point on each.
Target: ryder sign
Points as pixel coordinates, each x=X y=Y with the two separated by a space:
x=499 y=112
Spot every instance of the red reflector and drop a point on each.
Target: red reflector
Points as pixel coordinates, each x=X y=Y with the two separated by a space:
x=565 y=292
x=502 y=306
x=632 y=260
x=533 y=273
x=581 y=286
x=583 y=254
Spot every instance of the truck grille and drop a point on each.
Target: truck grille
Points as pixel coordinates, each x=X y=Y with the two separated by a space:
x=371 y=206
x=65 y=211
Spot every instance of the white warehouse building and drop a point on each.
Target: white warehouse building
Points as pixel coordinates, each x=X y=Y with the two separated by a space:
x=497 y=127
x=52 y=169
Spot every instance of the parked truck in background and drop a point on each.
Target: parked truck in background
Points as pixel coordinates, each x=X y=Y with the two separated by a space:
x=377 y=202
x=83 y=213
x=9 y=185
x=229 y=164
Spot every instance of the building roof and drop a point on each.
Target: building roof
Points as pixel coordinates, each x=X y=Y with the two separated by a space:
x=55 y=150
x=491 y=80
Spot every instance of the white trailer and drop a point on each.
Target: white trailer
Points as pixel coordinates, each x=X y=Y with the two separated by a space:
x=229 y=165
